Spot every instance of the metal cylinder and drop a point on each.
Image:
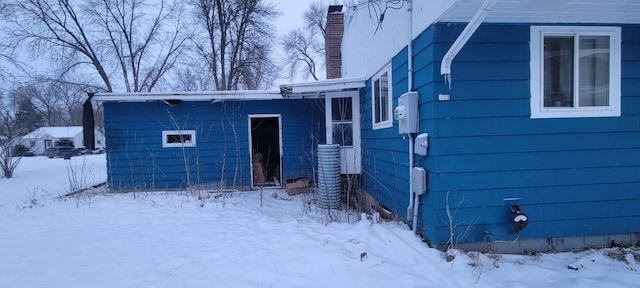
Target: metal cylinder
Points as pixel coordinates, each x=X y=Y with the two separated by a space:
x=329 y=178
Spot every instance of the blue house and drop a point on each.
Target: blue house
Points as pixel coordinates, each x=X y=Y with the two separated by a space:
x=528 y=110
x=511 y=123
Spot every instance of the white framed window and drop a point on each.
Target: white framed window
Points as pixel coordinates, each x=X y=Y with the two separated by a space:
x=381 y=99
x=178 y=138
x=575 y=71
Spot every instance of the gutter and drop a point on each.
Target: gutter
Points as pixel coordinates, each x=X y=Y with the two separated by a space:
x=472 y=26
x=188 y=96
x=329 y=85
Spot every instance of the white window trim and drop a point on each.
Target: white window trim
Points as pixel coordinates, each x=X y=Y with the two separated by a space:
x=536 y=46
x=389 y=122
x=165 y=133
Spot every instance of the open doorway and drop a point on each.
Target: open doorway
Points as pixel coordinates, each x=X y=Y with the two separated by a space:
x=266 y=154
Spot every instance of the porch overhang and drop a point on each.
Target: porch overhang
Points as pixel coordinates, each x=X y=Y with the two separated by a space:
x=317 y=89
x=188 y=96
x=548 y=11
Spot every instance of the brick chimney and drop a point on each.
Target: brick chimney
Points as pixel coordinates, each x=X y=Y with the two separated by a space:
x=333 y=41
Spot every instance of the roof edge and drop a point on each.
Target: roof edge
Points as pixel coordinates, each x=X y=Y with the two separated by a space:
x=188 y=96
x=294 y=90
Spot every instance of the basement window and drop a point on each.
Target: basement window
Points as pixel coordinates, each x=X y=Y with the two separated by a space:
x=575 y=71
x=178 y=138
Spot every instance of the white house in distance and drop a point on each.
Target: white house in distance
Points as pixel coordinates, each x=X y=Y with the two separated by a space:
x=44 y=137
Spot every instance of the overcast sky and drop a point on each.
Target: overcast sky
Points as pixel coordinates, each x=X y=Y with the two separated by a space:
x=291 y=18
x=292 y=11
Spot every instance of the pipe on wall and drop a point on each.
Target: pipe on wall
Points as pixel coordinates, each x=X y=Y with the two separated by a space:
x=472 y=26
x=410 y=208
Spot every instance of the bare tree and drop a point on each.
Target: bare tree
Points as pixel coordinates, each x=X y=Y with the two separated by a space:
x=233 y=38
x=145 y=45
x=10 y=132
x=300 y=50
x=141 y=41
x=259 y=70
x=304 y=47
x=58 y=102
x=6 y=51
x=42 y=98
x=315 y=18
x=58 y=27
x=187 y=78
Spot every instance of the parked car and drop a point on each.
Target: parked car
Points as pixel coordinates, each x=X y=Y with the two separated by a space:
x=61 y=152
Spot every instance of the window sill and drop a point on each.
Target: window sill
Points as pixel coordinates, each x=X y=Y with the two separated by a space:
x=382 y=125
x=575 y=113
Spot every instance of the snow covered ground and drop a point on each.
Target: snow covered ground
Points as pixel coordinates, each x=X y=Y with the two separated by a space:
x=160 y=239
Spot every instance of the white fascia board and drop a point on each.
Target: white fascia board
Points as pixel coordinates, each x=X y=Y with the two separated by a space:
x=329 y=85
x=188 y=96
x=551 y=11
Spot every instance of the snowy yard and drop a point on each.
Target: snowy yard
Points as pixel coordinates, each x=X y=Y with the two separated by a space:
x=175 y=240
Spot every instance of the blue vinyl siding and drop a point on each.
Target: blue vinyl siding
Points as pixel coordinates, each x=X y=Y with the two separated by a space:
x=136 y=158
x=576 y=176
x=385 y=161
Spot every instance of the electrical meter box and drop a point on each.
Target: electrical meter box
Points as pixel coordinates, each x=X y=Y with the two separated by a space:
x=407 y=113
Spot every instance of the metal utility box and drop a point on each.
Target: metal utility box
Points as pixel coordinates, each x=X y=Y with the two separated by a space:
x=419 y=180
x=421 y=144
x=407 y=113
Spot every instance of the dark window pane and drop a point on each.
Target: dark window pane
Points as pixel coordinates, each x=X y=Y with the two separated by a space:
x=376 y=100
x=384 y=97
x=594 y=71
x=179 y=138
x=558 y=71
x=343 y=134
x=341 y=109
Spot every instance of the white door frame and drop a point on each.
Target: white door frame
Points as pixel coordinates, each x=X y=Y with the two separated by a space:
x=254 y=116
x=350 y=156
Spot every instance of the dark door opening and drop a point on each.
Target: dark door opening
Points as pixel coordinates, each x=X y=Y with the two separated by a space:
x=265 y=151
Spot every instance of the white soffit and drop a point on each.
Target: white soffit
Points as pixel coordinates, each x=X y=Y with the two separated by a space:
x=316 y=88
x=549 y=11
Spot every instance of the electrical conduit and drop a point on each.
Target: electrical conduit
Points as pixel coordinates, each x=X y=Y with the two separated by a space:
x=409 y=88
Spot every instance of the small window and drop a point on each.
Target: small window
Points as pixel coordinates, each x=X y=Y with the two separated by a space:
x=179 y=138
x=575 y=71
x=342 y=121
x=381 y=99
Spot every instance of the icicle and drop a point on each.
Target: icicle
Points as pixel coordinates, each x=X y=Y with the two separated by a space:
x=447 y=80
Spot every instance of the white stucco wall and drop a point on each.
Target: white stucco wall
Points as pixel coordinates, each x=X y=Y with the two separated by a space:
x=365 y=50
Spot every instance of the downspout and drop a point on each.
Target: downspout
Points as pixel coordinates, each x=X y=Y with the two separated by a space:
x=472 y=26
